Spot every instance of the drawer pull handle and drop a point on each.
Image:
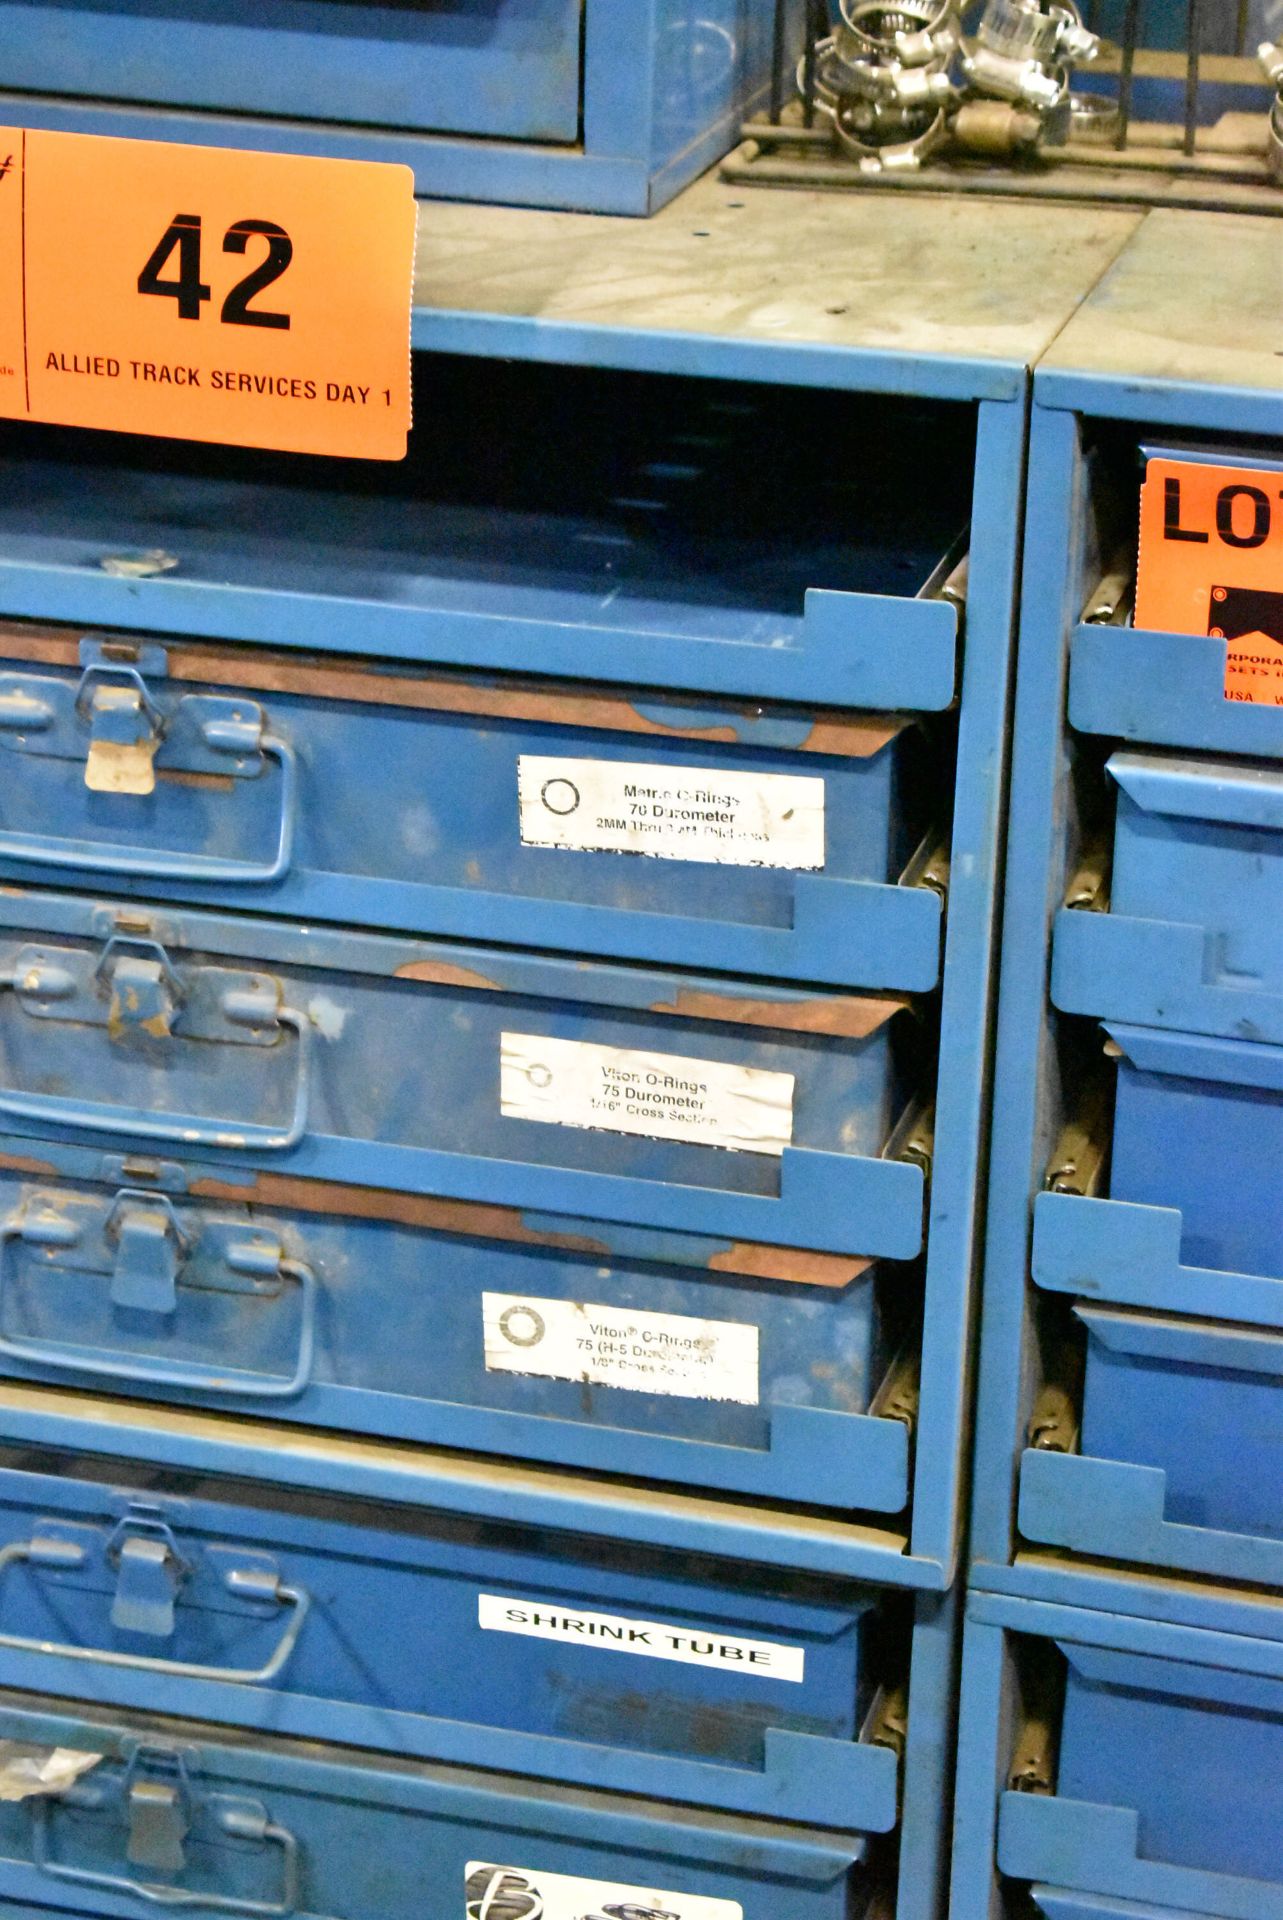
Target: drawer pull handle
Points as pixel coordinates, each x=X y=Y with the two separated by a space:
x=115 y=701
x=156 y=1811
x=155 y=989
x=65 y=1556
x=53 y=1232
x=203 y=868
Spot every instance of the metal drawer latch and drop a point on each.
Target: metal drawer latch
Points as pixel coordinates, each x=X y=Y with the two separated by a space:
x=146 y=1258
x=157 y=1827
x=125 y=729
x=150 y=1247
x=132 y=988
x=149 y=1573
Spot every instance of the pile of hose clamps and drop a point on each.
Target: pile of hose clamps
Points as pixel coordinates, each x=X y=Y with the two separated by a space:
x=903 y=83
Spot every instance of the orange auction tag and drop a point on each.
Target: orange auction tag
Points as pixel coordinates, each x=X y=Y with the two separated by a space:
x=257 y=299
x=1211 y=561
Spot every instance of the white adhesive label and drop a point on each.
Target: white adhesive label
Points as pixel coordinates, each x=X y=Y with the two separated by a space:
x=527 y=1893
x=662 y=1096
x=670 y=1353
x=625 y=806
x=688 y=1646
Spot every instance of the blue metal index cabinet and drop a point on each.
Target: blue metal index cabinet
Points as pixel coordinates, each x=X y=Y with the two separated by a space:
x=495 y=977
x=1121 y=1690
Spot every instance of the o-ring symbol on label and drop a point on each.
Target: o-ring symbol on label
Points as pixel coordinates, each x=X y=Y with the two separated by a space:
x=560 y=795
x=522 y=1326
x=539 y=1076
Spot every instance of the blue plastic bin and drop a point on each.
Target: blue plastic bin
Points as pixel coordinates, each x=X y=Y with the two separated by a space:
x=1201 y=840
x=1200 y=1399
x=1132 y=1764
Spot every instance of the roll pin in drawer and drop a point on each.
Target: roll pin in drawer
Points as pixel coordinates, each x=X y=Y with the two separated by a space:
x=767 y=841
x=151 y=1813
x=666 y=1100
x=759 y=1370
x=478 y=1644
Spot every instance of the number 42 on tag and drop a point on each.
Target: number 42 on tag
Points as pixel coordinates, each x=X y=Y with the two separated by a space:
x=254 y=299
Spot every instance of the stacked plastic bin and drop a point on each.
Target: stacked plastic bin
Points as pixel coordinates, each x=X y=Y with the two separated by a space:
x=1123 y=1667
x=485 y=1312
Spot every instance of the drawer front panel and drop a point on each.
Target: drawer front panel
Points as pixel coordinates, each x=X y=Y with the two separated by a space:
x=364 y=1312
x=1164 y=689
x=1181 y=1447
x=175 y=1814
x=662 y=1099
x=462 y=807
x=506 y=67
x=424 y=1636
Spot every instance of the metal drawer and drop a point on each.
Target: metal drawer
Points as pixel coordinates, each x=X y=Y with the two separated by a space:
x=178 y=1814
x=599 y=105
x=1164 y=1744
x=1198 y=1125
x=476 y=1643
x=667 y=1100
x=1120 y=1766
x=1180 y=1449
x=1201 y=1401
x=501 y=809
x=509 y=68
x=1191 y=939
x=609 y=526
x=757 y=1371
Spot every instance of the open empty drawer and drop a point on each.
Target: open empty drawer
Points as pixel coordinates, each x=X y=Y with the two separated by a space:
x=636 y=528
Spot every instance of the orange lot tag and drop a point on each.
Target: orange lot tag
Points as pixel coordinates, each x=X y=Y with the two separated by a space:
x=260 y=300
x=1211 y=561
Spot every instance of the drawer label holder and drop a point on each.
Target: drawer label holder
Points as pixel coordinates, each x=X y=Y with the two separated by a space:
x=690 y=1646
x=732 y=819
x=665 y=1353
x=526 y=1893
